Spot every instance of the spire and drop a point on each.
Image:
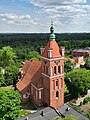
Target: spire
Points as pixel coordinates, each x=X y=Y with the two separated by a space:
x=52 y=35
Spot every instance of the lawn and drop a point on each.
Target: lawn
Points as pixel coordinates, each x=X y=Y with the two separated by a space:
x=23 y=113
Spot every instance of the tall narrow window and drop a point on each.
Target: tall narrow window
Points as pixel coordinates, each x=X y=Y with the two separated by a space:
x=36 y=94
x=31 y=89
x=53 y=85
x=57 y=95
x=57 y=84
x=46 y=70
x=55 y=70
x=61 y=83
x=59 y=69
x=40 y=95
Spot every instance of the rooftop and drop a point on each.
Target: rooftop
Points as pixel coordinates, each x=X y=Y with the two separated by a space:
x=49 y=113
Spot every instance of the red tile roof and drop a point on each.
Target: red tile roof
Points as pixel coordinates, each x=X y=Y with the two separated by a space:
x=26 y=66
x=52 y=44
x=32 y=71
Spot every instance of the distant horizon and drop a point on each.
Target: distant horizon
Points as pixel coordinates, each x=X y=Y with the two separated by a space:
x=42 y=33
x=34 y=16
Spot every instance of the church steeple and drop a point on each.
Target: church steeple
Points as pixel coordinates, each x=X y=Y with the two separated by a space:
x=52 y=35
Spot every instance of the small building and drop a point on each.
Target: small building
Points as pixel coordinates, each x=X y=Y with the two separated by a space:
x=43 y=81
x=78 y=61
x=81 y=52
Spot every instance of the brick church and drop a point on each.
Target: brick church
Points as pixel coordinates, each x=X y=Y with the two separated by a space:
x=43 y=81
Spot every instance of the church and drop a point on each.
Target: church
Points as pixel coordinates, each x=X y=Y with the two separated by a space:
x=43 y=81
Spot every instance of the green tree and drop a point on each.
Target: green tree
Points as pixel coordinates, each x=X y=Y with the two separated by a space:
x=87 y=63
x=78 y=81
x=7 y=56
x=9 y=104
x=11 y=74
x=71 y=117
x=68 y=66
x=66 y=91
x=2 y=80
x=33 y=55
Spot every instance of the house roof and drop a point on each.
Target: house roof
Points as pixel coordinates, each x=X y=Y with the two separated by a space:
x=26 y=66
x=52 y=44
x=50 y=113
x=30 y=75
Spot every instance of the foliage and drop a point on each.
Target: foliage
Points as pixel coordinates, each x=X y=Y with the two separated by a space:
x=79 y=81
x=7 y=56
x=9 y=104
x=66 y=91
x=2 y=80
x=71 y=117
x=23 y=112
x=11 y=75
x=68 y=66
x=88 y=114
x=86 y=100
x=87 y=63
x=33 y=55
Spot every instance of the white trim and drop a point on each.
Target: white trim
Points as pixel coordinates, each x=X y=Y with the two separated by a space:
x=52 y=76
x=50 y=59
x=36 y=87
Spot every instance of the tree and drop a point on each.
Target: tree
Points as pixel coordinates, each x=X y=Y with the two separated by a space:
x=2 y=80
x=78 y=81
x=71 y=117
x=7 y=56
x=11 y=74
x=66 y=91
x=87 y=63
x=9 y=104
x=68 y=66
x=33 y=55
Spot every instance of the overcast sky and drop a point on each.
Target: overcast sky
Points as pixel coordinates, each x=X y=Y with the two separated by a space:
x=35 y=16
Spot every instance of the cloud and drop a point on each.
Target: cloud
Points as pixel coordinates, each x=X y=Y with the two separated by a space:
x=12 y=18
x=43 y=3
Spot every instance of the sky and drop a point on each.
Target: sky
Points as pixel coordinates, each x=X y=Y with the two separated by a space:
x=35 y=16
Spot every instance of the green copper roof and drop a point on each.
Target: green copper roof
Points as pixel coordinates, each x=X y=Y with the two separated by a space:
x=52 y=35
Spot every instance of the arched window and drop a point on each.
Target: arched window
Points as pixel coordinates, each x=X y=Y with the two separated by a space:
x=57 y=94
x=55 y=70
x=57 y=83
x=59 y=69
x=61 y=83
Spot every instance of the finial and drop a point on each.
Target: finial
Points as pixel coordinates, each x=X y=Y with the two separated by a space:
x=51 y=28
x=52 y=35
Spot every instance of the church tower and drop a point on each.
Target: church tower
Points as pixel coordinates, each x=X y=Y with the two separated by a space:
x=53 y=72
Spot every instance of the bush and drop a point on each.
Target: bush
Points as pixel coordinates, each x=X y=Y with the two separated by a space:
x=81 y=103
x=86 y=100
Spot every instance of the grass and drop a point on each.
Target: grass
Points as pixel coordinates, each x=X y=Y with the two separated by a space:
x=23 y=113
